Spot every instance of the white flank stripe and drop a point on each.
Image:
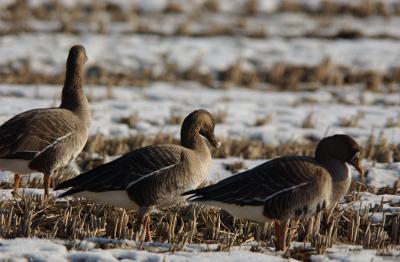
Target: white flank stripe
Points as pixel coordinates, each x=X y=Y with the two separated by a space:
x=152 y=173
x=284 y=190
x=58 y=140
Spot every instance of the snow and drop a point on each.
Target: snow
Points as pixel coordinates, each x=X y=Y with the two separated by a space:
x=242 y=107
x=31 y=249
x=349 y=253
x=214 y=54
x=55 y=250
x=224 y=6
x=382 y=174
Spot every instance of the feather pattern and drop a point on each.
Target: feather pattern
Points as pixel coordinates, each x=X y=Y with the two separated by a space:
x=50 y=138
x=281 y=186
x=164 y=187
x=118 y=174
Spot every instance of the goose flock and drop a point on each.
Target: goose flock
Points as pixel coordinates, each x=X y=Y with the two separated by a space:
x=158 y=176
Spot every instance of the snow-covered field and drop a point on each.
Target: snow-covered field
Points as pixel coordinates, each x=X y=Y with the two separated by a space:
x=327 y=110
x=46 y=250
x=213 y=37
x=156 y=103
x=126 y=53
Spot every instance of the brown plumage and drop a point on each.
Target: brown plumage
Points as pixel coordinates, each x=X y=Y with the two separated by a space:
x=43 y=140
x=152 y=176
x=287 y=187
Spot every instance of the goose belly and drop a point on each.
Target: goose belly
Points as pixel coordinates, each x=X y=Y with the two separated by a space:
x=118 y=198
x=254 y=213
x=18 y=166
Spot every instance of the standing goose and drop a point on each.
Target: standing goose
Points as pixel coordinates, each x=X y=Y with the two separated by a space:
x=152 y=176
x=287 y=187
x=43 y=140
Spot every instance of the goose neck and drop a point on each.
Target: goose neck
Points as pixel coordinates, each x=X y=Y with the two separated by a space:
x=338 y=169
x=73 y=97
x=191 y=138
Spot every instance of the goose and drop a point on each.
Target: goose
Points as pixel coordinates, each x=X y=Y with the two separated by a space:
x=286 y=187
x=43 y=140
x=152 y=176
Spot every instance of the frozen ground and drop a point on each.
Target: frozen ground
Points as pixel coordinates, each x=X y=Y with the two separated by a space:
x=326 y=110
x=128 y=53
x=288 y=25
x=223 y=5
x=156 y=103
x=55 y=250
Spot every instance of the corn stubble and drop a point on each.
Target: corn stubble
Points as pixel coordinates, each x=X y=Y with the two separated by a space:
x=31 y=216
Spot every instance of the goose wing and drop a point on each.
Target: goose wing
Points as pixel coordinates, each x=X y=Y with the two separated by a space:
x=30 y=133
x=282 y=183
x=119 y=173
x=162 y=185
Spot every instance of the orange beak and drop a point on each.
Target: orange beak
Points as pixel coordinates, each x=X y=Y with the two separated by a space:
x=215 y=143
x=356 y=162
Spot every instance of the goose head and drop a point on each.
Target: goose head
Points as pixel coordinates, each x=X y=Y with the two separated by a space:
x=76 y=57
x=199 y=122
x=342 y=148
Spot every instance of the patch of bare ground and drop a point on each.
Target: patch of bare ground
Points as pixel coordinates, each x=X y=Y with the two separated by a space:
x=18 y=10
x=374 y=149
x=235 y=166
x=309 y=121
x=280 y=76
x=98 y=17
x=264 y=120
x=352 y=121
x=131 y=121
x=188 y=27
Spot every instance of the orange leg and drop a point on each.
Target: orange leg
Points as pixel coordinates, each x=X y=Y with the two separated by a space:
x=46 y=185
x=148 y=230
x=145 y=220
x=278 y=235
x=281 y=232
x=17 y=182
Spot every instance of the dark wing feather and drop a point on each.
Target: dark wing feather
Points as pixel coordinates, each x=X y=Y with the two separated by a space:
x=26 y=155
x=119 y=173
x=253 y=186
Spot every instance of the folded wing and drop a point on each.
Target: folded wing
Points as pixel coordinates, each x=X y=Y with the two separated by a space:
x=118 y=174
x=281 y=186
